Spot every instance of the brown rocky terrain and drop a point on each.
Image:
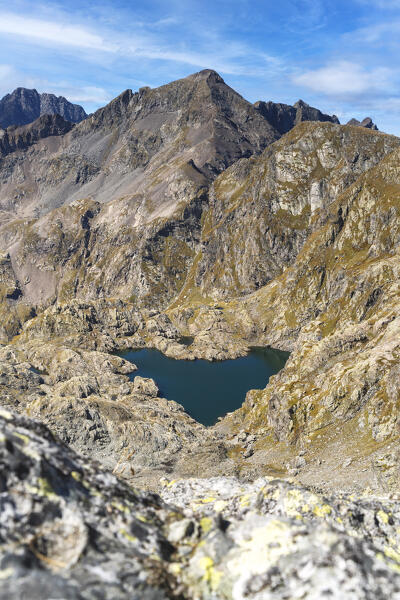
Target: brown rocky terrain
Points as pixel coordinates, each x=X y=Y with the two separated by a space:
x=181 y=211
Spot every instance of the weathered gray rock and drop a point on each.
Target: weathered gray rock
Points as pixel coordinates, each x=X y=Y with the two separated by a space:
x=24 y=106
x=284 y=117
x=270 y=539
x=146 y=386
x=367 y=122
x=70 y=530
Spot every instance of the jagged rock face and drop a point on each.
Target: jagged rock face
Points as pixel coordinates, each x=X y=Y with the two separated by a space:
x=70 y=530
x=20 y=138
x=367 y=122
x=284 y=117
x=145 y=161
x=24 y=106
x=88 y=249
x=263 y=209
x=337 y=308
x=185 y=132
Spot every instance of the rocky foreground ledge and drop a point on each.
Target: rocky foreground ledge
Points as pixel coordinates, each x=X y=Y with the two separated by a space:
x=71 y=530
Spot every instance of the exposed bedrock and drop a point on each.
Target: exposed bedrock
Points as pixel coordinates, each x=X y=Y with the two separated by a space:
x=70 y=530
x=178 y=212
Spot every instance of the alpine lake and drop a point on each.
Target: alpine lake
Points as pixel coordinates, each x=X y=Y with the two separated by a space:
x=207 y=390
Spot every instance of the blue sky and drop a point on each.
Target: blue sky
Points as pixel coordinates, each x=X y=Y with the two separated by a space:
x=341 y=56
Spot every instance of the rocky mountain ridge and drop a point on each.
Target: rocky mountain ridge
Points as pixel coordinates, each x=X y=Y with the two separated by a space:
x=20 y=138
x=24 y=106
x=367 y=122
x=183 y=212
x=284 y=117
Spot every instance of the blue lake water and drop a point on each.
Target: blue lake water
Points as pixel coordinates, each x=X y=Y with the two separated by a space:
x=207 y=390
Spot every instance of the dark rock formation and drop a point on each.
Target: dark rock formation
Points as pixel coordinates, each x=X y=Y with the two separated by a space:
x=24 y=106
x=284 y=117
x=20 y=138
x=367 y=122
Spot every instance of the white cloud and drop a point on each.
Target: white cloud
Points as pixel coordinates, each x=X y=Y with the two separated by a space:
x=52 y=32
x=384 y=4
x=9 y=79
x=89 y=94
x=386 y=32
x=226 y=56
x=5 y=71
x=343 y=79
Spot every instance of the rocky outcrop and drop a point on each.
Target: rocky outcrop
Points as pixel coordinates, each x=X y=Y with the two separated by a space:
x=284 y=117
x=120 y=233
x=20 y=138
x=277 y=198
x=87 y=399
x=69 y=529
x=125 y=189
x=367 y=122
x=24 y=106
x=335 y=307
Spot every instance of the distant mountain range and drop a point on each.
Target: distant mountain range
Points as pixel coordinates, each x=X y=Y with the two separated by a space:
x=284 y=117
x=24 y=106
x=367 y=122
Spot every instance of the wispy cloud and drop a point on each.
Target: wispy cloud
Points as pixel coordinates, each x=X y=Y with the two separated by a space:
x=385 y=31
x=226 y=56
x=82 y=95
x=56 y=33
x=344 y=79
x=340 y=55
x=5 y=71
x=382 y=4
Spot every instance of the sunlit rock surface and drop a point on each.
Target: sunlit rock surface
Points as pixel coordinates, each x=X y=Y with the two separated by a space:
x=69 y=529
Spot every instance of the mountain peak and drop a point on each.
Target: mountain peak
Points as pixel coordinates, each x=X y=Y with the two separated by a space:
x=301 y=104
x=23 y=106
x=22 y=90
x=284 y=117
x=207 y=74
x=367 y=122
